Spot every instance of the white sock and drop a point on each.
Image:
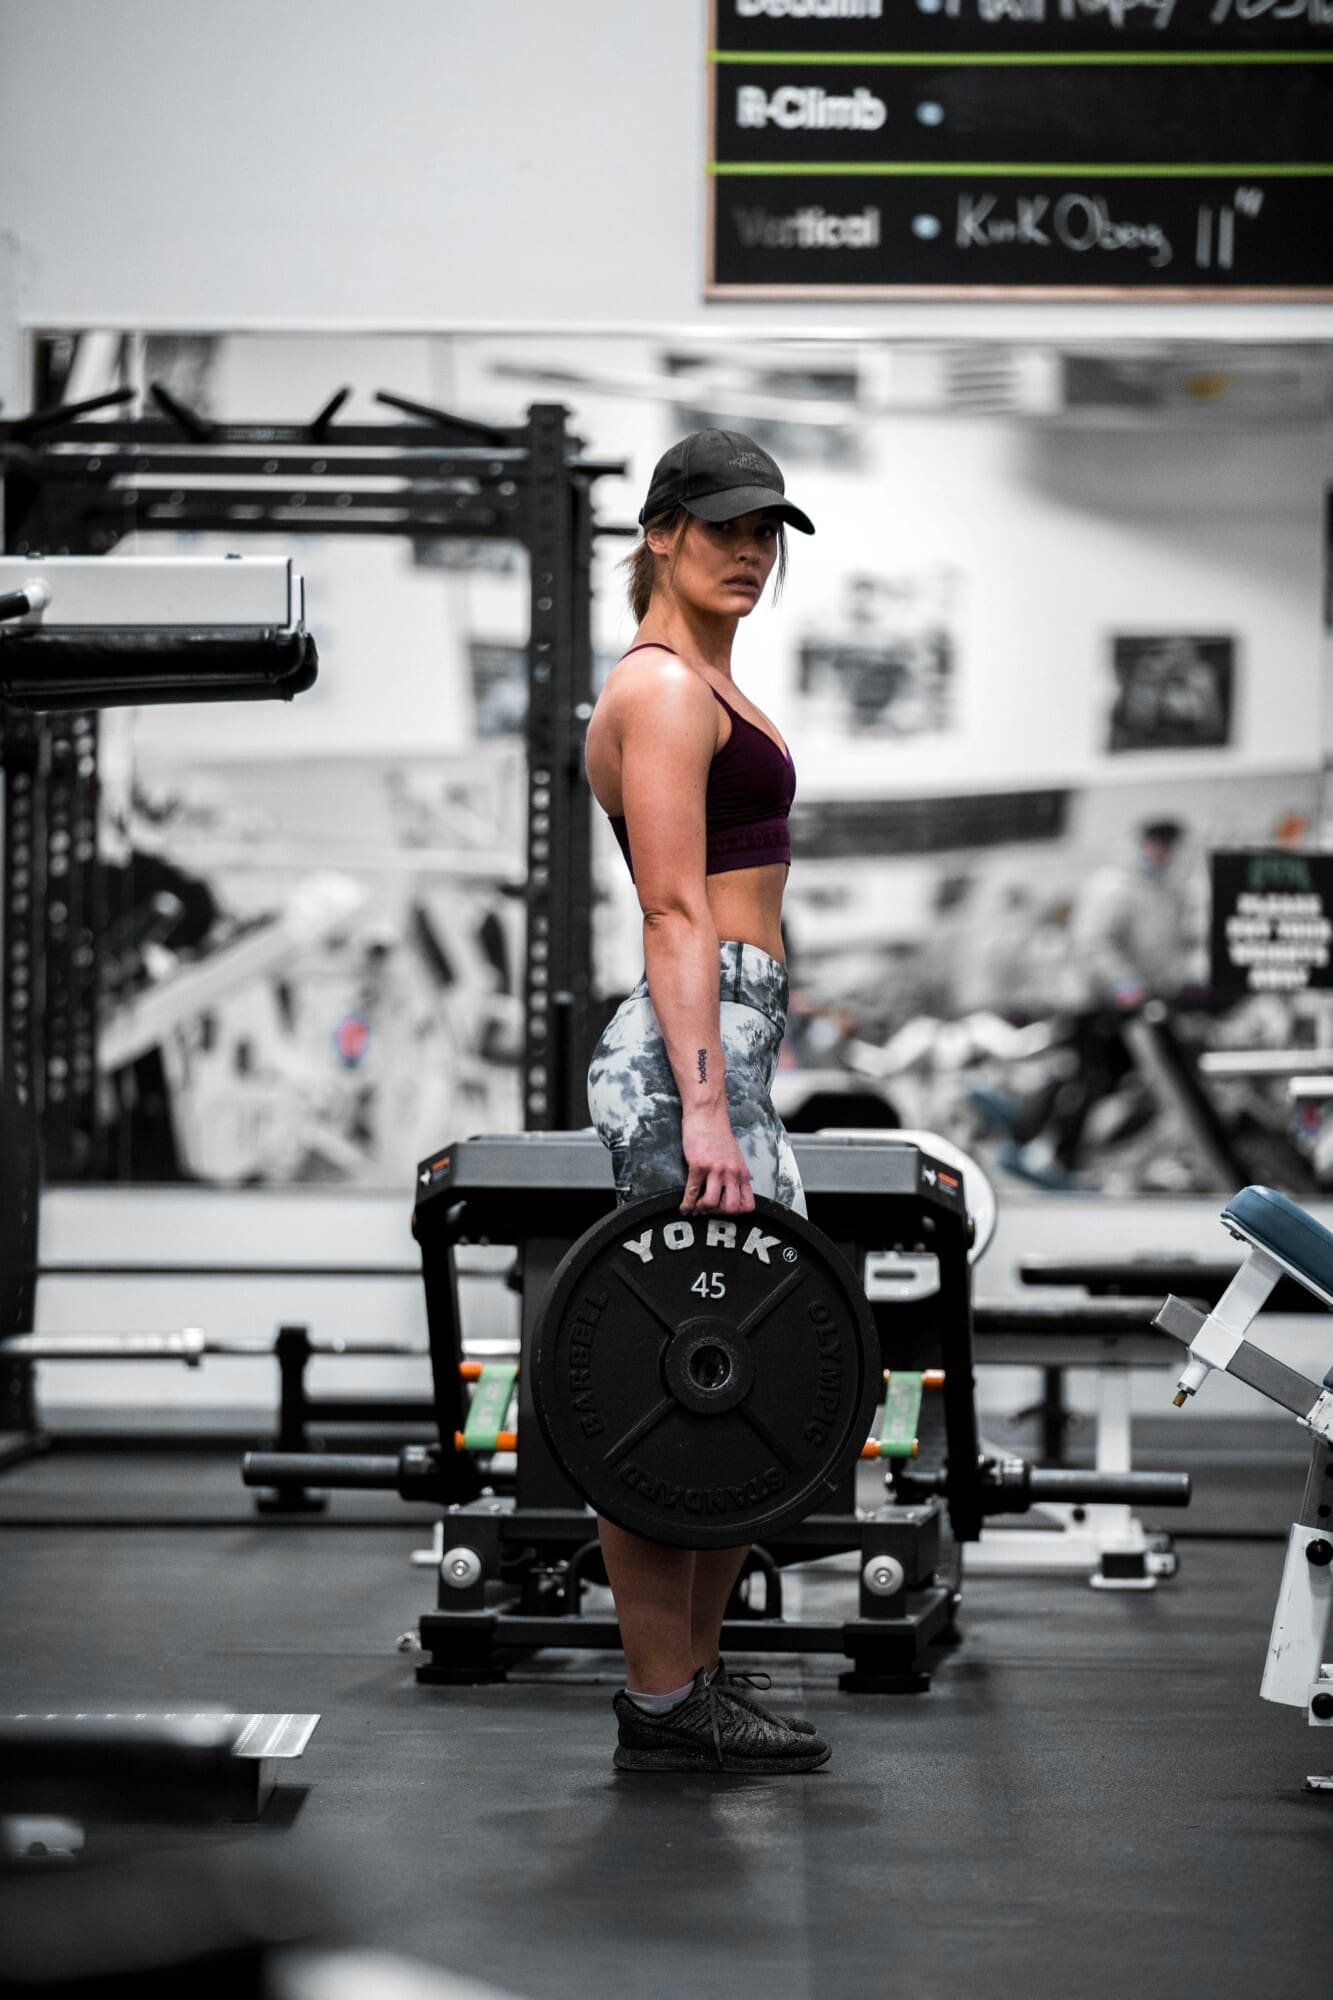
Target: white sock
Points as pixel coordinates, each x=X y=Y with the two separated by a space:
x=658 y=1704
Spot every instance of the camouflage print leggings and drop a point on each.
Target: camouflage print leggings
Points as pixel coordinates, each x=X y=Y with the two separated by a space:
x=635 y=1104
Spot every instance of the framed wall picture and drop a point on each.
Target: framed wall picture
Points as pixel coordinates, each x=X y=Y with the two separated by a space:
x=1173 y=691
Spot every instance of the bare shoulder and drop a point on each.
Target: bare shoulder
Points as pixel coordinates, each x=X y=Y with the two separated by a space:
x=657 y=690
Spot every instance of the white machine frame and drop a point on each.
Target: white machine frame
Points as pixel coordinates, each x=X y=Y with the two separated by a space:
x=1297 y=1672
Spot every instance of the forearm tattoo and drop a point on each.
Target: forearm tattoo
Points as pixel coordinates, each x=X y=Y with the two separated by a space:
x=703 y=1065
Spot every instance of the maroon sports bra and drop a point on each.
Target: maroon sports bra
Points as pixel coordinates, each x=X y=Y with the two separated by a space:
x=751 y=785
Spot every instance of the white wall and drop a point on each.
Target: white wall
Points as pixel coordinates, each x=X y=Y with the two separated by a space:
x=1061 y=538
x=447 y=163
x=1059 y=535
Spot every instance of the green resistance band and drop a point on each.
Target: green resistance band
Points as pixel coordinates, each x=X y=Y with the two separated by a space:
x=489 y=1406
x=902 y=1411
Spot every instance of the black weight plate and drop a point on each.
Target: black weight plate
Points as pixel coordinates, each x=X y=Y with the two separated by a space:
x=705 y=1380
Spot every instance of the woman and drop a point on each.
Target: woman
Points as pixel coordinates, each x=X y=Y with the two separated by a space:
x=697 y=786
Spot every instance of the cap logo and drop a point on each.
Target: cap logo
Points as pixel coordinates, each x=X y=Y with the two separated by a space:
x=748 y=461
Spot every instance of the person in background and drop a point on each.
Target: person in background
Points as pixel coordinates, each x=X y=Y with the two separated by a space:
x=1127 y=945
x=1126 y=932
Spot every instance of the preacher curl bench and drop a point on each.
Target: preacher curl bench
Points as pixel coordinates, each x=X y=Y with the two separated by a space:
x=1283 y=1241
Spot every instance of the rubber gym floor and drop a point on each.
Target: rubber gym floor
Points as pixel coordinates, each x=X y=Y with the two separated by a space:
x=1091 y=1800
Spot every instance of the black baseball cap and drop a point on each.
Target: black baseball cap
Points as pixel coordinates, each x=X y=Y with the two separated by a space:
x=716 y=475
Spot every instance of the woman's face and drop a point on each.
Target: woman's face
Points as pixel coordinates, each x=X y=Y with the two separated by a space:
x=722 y=566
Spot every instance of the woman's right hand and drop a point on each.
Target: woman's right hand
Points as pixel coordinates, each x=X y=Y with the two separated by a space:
x=717 y=1178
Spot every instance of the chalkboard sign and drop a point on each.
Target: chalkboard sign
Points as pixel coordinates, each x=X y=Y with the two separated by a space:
x=1272 y=922
x=1175 y=148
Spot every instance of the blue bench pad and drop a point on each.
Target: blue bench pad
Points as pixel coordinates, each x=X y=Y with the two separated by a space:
x=1276 y=1223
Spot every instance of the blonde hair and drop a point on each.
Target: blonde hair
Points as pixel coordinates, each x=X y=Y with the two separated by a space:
x=643 y=564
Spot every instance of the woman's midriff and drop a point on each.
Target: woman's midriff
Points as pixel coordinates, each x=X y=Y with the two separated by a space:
x=746 y=904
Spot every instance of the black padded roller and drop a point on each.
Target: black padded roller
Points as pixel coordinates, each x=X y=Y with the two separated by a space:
x=312 y=1468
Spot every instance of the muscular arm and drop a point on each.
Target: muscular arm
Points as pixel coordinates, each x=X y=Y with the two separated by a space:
x=668 y=734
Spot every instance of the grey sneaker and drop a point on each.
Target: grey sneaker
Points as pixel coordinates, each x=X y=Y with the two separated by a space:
x=711 y=1730
x=739 y=1686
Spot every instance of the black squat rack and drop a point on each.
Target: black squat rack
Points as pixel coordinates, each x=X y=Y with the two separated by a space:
x=75 y=480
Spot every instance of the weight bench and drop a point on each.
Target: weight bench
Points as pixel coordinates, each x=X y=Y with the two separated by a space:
x=1283 y=1241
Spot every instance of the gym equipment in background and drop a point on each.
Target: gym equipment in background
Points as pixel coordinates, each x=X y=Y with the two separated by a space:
x=514 y=1566
x=1283 y=1240
x=1244 y=1141
x=292 y=1348
x=430 y=476
x=84 y=1910
x=203 y=1766
x=1104 y=1541
x=83 y=633
x=80 y=632
x=80 y=486
x=1127 y=1290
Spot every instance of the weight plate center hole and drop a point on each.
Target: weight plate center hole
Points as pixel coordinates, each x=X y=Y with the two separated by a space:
x=710 y=1367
